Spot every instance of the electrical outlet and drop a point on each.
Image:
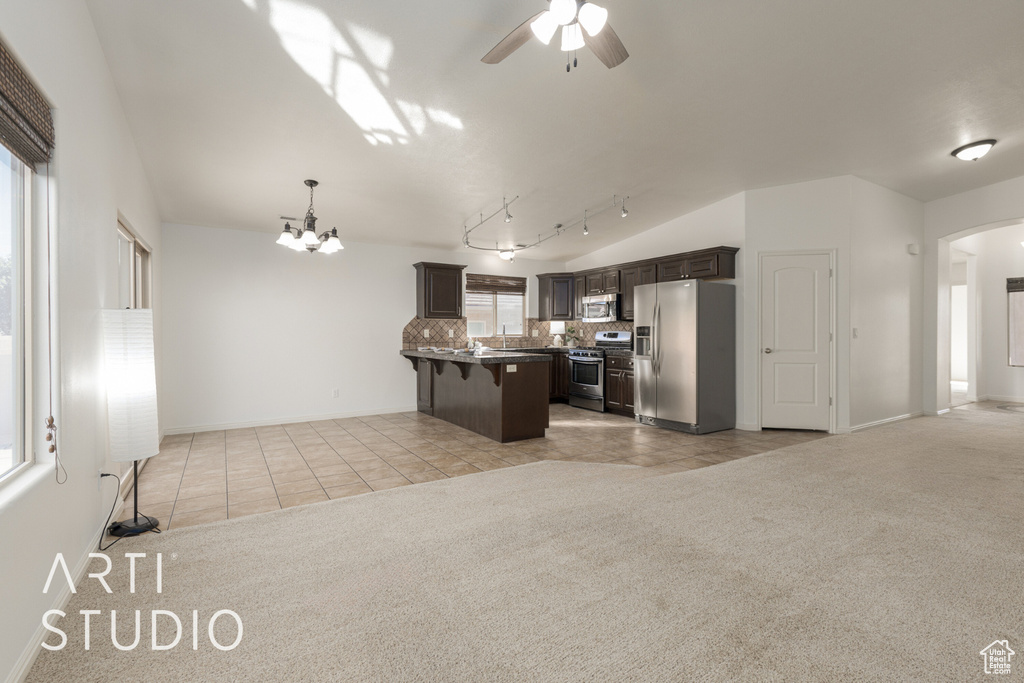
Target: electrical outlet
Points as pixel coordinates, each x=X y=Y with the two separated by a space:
x=536 y=333
x=451 y=334
x=510 y=368
x=335 y=393
x=426 y=334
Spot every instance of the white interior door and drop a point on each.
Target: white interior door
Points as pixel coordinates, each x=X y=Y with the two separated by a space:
x=796 y=351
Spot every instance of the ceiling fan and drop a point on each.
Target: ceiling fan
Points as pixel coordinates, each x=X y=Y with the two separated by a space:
x=582 y=23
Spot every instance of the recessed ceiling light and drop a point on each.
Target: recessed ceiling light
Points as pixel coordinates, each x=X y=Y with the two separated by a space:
x=973 y=151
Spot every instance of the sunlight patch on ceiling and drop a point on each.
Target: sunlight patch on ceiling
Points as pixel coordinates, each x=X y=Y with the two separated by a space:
x=351 y=64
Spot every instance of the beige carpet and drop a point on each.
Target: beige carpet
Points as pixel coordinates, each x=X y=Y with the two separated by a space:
x=892 y=554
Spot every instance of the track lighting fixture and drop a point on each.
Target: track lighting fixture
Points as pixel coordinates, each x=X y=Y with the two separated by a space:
x=305 y=238
x=509 y=253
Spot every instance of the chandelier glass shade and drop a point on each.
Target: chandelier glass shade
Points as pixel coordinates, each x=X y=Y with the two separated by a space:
x=305 y=238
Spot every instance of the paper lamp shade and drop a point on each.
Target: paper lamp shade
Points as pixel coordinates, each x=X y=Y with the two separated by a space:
x=131 y=384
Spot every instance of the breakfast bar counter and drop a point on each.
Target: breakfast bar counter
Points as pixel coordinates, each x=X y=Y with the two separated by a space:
x=502 y=395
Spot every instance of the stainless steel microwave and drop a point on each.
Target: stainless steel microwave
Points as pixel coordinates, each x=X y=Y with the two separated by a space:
x=603 y=308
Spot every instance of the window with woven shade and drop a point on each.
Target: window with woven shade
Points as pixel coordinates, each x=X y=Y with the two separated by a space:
x=495 y=304
x=26 y=122
x=26 y=145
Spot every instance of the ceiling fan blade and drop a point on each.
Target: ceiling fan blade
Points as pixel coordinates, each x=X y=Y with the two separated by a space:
x=512 y=42
x=607 y=46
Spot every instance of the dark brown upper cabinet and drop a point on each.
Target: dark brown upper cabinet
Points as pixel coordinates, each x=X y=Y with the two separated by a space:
x=438 y=290
x=716 y=263
x=709 y=264
x=579 y=284
x=555 y=296
x=631 y=277
x=604 y=282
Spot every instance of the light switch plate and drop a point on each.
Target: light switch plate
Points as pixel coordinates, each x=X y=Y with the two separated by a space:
x=536 y=333
x=510 y=368
x=426 y=334
x=451 y=334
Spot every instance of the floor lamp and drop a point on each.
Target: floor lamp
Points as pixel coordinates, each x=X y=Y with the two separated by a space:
x=131 y=400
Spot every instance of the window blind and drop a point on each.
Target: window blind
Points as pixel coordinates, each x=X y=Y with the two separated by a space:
x=495 y=284
x=26 y=123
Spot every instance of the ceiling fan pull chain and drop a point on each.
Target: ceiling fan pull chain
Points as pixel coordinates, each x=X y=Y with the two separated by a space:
x=574 y=64
x=566 y=62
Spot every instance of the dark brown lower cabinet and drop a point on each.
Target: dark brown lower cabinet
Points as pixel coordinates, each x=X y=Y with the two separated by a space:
x=618 y=385
x=558 y=380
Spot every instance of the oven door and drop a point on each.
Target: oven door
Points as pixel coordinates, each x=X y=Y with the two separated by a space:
x=586 y=378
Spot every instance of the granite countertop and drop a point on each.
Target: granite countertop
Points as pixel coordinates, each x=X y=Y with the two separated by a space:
x=492 y=357
x=621 y=353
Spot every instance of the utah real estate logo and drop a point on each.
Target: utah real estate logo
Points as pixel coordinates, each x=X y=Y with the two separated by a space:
x=997 y=657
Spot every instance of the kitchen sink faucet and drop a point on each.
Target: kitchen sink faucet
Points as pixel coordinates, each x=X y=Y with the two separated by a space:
x=503 y=340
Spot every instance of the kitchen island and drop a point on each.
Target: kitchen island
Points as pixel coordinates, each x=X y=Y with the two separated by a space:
x=502 y=395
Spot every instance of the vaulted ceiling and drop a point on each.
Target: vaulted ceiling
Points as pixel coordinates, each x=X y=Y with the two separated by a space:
x=233 y=103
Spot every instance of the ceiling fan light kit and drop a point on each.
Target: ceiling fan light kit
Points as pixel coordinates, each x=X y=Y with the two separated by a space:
x=584 y=24
x=563 y=11
x=544 y=27
x=593 y=18
x=572 y=38
x=305 y=238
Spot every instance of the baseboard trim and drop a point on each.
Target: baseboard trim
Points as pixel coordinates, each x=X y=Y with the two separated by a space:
x=1005 y=399
x=288 y=420
x=888 y=420
x=28 y=656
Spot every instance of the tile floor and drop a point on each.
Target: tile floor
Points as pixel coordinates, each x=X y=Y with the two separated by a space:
x=210 y=476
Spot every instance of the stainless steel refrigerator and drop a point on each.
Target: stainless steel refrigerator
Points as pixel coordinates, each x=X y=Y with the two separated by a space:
x=685 y=368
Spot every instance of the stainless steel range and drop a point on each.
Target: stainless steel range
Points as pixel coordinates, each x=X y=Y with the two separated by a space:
x=586 y=369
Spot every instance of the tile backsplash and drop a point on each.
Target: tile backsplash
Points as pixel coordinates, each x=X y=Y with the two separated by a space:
x=412 y=335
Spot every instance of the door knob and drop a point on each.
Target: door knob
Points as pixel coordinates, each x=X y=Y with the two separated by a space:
x=767 y=350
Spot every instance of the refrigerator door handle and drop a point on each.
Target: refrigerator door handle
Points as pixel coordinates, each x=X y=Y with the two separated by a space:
x=656 y=334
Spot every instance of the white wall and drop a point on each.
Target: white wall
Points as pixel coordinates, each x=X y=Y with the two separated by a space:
x=96 y=174
x=885 y=305
x=999 y=255
x=256 y=333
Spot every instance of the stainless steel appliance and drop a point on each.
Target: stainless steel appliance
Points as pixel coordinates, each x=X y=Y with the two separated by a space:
x=586 y=378
x=603 y=308
x=586 y=369
x=686 y=355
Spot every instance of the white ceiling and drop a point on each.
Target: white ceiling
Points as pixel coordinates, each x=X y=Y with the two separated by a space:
x=234 y=102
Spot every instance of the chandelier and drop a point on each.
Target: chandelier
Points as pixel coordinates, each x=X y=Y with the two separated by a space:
x=305 y=238
x=509 y=253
